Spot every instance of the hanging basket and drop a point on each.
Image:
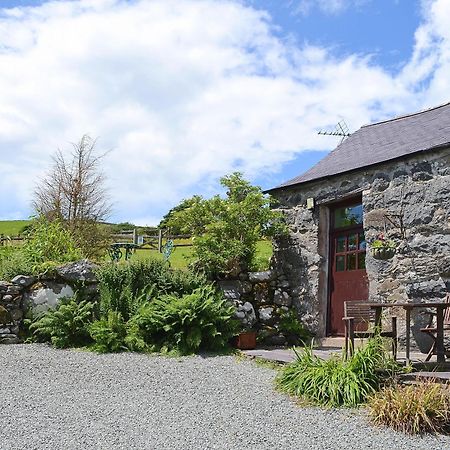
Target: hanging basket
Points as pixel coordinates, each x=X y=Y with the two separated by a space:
x=383 y=253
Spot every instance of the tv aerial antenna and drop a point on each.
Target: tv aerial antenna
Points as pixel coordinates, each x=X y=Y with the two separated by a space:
x=341 y=129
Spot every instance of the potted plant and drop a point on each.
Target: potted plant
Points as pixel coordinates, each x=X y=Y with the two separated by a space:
x=246 y=340
x=382 y=248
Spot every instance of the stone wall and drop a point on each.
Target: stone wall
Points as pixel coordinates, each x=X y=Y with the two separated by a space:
x=33 y=295
x=417 y=189
x=261 y=299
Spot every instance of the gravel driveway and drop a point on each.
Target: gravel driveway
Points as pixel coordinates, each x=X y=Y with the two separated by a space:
x=58 y=399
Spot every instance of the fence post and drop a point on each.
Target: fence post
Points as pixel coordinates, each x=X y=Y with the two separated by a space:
x=135 y=236
x=160 y=240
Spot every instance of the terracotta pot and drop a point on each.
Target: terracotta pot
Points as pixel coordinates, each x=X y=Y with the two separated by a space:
x=246 y=340
x=383 y=253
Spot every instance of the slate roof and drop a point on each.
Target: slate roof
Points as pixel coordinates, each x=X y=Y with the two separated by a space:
x=383 y=141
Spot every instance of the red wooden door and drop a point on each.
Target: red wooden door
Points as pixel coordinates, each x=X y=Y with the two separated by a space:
x=348 y=277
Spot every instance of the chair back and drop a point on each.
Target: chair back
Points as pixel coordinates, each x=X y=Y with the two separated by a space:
x=359 y=310
x=447 y=310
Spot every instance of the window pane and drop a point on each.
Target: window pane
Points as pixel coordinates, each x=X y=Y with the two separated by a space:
x=362 y=241
x=347 y=216
x=351 y=261
x=340 y=263
x=352 y=241
x=340 y=244
x=361 y=260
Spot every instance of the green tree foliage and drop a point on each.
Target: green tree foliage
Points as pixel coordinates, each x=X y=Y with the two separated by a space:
x=225 y=230
x=170 y=222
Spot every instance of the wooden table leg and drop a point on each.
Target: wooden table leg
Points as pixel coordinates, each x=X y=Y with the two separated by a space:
x=378 y=311
x=440 y=335
x=408 y=334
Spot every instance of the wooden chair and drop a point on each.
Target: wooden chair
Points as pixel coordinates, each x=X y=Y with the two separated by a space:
x=431 y=330
x=358 y=316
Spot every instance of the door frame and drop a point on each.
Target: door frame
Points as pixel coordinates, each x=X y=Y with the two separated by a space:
x=356 y=199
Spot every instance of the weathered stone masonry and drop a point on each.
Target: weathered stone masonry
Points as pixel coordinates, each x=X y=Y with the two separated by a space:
x=29 y=294
x=417 y=187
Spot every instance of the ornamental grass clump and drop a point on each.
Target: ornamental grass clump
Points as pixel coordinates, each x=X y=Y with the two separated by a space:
x=338 y=382
x=414 y=409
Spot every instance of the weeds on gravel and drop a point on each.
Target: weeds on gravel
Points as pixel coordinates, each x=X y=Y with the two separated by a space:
x=413 y=409
x=338 y=382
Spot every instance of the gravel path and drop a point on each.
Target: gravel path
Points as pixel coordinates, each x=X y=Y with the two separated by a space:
x=57 y=399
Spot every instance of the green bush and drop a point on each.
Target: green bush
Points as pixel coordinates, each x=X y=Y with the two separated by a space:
x=13 y=261
x=202 y=320
x=226 y=230
x=65 y=326
x=414 y=409
x=49 y=242
x=338 y=382
x=123 y=287
x=109 y=333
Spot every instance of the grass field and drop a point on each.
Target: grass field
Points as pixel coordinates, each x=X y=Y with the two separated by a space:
x=12 y=227
x=180 y=257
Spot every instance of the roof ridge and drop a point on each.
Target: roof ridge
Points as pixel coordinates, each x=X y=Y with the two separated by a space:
x=404 y=116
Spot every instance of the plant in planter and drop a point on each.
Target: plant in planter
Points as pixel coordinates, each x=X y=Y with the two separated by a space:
x=382 y=248
x=245 y=340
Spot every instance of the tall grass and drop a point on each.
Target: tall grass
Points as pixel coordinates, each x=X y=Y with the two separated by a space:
x=413 y=409
x=338 y=382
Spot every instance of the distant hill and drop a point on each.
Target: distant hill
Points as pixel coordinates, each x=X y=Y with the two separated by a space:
x=12 y=227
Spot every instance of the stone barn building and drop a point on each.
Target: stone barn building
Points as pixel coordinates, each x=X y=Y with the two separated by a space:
x=390 y=178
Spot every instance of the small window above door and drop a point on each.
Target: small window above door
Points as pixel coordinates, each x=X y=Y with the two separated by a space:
x=348 y=216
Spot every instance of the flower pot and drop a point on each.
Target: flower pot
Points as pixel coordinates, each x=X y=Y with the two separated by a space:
x=246 y=340
x=383 y=253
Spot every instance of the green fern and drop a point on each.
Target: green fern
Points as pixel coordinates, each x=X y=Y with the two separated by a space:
x=202 y=320
x=109 y=333
x=66 y=326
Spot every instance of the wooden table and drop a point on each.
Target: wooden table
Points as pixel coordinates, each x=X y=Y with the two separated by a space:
x=408 y=307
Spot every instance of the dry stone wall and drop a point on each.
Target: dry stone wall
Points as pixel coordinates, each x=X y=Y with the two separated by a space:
x=417 y=190
x=33 y=295
x=261 y=299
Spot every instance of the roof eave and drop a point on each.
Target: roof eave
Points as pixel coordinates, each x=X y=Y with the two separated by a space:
x=325 y=177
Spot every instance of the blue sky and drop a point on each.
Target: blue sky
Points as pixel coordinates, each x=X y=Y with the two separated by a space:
x=183 y=92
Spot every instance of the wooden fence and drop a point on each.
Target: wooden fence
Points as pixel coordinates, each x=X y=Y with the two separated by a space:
x=143 y=241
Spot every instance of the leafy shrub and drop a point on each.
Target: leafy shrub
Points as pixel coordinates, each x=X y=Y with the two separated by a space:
x=123 y=287
x=338 y=382
x=226 y=230
x=13 y=261
x=50 y=242
x=66 y=326
x=294 y=329
x=413 y=409
x=109 y=333
x=202 y=320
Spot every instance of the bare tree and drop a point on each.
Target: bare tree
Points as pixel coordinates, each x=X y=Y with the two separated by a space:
x=73 y=190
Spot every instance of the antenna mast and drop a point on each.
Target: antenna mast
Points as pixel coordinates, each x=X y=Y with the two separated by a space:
x=341 y=129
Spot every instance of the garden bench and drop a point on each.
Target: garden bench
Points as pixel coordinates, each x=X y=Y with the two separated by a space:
x=358 y=317
x=431 y=330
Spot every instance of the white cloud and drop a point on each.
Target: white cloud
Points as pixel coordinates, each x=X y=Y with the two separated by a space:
x=183 y=92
